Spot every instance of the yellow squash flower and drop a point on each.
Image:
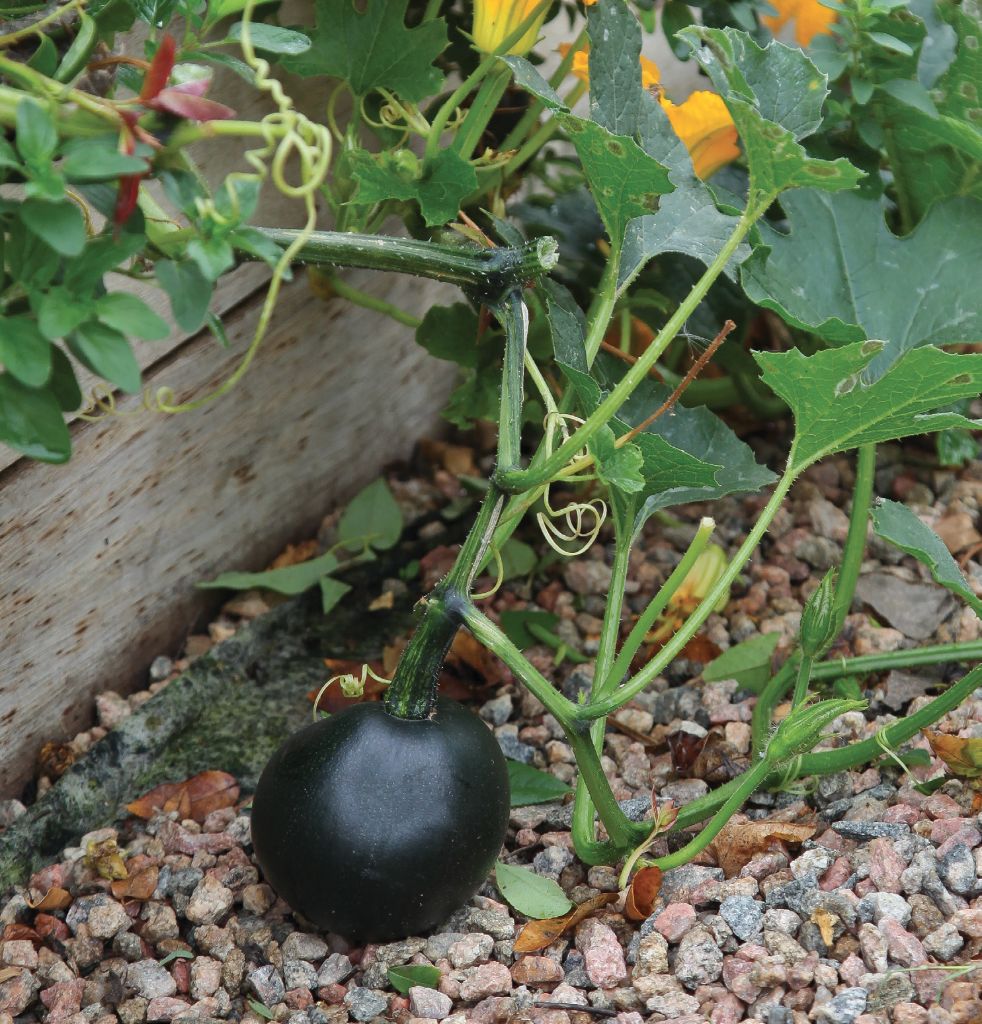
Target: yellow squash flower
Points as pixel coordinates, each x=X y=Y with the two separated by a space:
x=702 y=121
x=809 y=16
x=495 y=20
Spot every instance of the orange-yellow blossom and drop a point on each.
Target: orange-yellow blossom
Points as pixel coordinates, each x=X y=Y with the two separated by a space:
x=809 y=16
x=495 y=20
x=702 y=121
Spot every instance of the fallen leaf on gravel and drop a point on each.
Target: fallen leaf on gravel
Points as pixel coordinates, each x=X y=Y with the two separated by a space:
x=824 y=920
x=718 y=761
x=55 y=898
x=15 y=931
x=466 y=651
x=383 y=602
x=738 y=841
x=538 y=935
x=141 y=885
x=54 y=759
x=454 y=458
x=105 y=860
x=641 y=896
x=701 y=649
x=6 y=973
x=685 y=747
x=194 y=798
x=963 y=756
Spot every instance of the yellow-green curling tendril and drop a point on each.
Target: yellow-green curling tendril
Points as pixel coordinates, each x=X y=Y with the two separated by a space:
x=583 y=519
x=286 y=133
x=351 y=685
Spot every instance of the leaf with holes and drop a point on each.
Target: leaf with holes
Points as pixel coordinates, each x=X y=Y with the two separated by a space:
x=369 y=46
x=836 y=407
x=840 y=272
x=900 y=526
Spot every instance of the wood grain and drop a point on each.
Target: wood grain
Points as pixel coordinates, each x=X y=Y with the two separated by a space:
x=101 y=555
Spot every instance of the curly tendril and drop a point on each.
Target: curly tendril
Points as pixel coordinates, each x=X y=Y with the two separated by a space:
x=351 y=685
x=286 y=134
x=582 y=519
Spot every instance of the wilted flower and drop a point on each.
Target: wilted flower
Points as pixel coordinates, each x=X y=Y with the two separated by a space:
x=495 y=20
x=809 y=16
x=699 y=581
x=702 y=122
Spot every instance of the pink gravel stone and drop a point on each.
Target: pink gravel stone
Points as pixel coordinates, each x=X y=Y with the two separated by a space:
x=968 y=836
x=904 y=948
x=491 y=979
x=852 y=969
x=938 y=805
x=165 y=1008
x=885 y=865
x=945 y=828
x=602 y=954
x=727 y=1010
x=908 y=1013
x=864 y=887
x=837 y=873
x=537 y=970
x=902 y=814
x=675 y=920
x=969 y=922
x=737 y=978
x=63 y=999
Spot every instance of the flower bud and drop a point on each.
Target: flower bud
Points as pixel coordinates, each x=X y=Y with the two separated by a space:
x=495 y=20
x=818 y=620
x=802 y=729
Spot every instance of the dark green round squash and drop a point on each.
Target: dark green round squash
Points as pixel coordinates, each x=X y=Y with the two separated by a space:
x=376 y=827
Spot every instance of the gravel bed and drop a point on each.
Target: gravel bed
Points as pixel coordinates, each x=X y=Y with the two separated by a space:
x=836 y=930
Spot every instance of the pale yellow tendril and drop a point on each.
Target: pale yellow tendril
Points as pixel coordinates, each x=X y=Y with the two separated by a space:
x=498 y=580
x=286 y=134
x=351 y=685
x=583 y=519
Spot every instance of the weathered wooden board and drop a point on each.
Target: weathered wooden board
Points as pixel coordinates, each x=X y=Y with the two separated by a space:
x=100 y=556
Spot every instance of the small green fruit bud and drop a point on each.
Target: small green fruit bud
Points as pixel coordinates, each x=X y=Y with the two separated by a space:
x=802 y=729
x=818 y=621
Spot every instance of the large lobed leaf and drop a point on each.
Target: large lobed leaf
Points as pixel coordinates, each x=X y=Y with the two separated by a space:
x=775 y=95
x=369 y=46
x=841 y=273
x=837 y=406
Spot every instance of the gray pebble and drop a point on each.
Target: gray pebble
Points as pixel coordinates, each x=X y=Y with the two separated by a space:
x=944 y=942
x=780 y=920
x=743 y=914
x=304 y=946
x=511 y=746
x=699 y=960
x=365 y=1003
x=551 y=861
x=861 y=830
x=496 y=711
x=471 y=949
x=679 y=884
x=160 y=668
x=335 y=969
x=845 y=1007
x=574 y=967
x=149 y=980
x=957 y=869
x=878 y=905
x=299 y=974
x=266 y=985
x=427 y=1002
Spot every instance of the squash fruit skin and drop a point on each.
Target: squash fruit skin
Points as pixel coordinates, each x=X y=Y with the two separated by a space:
x=375 y=827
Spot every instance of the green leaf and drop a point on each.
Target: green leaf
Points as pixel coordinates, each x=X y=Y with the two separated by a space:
x=218 y=9
x=956 y=447
x=408 y=976
x=271 y=38
x=106 y=352
x=37 y=136
x=441 y=186
x=530 y=786
x=45 y=57
x=24 y=350
x=527 y=77
x=189 y=291
x=176 y=954
x=332 y=591
x=687 y=220
x=621 y=468
x=99 y=160
x=515 y=623
x=290 y=579
x=775 y=95
x=255 y=243
x=530 y=894
x=373 y=516
x=31 y=422
x=675 y=16
x=60 y=225
x=131 y=315
x=841 y=273
x=8 y=156
x=567 y=325
x=749 y=663
x=450 y=332
x=898 y=525
x=369 y=46
x=213 y=256
x=624 y=180
x=63 y=384
x=517 y=559
x=261 y=1009
x=836 y=407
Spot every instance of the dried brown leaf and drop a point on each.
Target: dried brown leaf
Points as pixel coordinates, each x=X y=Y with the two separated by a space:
x=538 y=935
x=194 y=798
x=294 y=554
x=642 y=893
x=824 y=920
x=963 y=756
x=6 y=973
x=739 y=841
x=18 y=932
x=141 y=885
x=55 y=898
